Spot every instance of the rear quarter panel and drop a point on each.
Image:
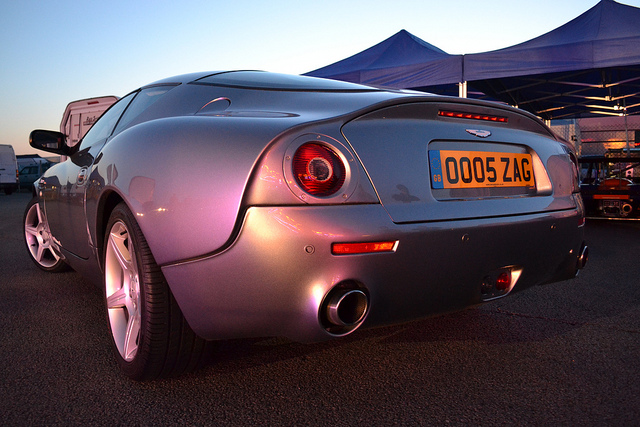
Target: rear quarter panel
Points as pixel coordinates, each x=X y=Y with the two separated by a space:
x=183 y=178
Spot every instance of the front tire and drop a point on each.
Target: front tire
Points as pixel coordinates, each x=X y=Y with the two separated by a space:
x=41 y=246
x=150 y=334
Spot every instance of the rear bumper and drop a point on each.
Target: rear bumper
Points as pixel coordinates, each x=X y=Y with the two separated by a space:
x=273 y=279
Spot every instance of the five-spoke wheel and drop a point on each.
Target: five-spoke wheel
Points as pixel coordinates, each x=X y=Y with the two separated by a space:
x=122 y=287
x=149 y=332
x=41 y=245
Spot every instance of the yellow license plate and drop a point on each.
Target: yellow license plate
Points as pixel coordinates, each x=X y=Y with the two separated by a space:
x=480 y=169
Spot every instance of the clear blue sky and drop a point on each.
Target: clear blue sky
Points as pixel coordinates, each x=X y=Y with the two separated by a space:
x=53 y=53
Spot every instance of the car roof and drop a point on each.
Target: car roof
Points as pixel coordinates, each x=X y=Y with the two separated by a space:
x=254 y=79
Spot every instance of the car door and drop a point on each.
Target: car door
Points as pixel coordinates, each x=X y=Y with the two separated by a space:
x=64 y=187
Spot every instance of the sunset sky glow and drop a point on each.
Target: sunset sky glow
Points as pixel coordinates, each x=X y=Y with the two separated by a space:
x=57 y=52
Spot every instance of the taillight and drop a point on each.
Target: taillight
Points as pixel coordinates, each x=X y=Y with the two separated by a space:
x=472 y=116
x=318 y=170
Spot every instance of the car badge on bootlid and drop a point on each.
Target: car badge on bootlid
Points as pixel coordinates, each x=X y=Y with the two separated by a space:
x=479 y=133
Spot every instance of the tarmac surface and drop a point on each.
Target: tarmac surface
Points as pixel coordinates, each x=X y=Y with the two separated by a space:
x=561 y=354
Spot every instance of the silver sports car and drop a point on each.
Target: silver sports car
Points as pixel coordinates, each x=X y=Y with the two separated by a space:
x=248 y=204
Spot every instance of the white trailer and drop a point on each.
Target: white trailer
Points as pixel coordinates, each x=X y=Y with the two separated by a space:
x=80 y=115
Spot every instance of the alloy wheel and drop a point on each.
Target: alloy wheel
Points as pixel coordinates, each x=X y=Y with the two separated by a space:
x=122 y=286
x=40 y=243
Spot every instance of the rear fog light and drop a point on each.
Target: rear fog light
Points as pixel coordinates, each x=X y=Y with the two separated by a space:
x=504 y=281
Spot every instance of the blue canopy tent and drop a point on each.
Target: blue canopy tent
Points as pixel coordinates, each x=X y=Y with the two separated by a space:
x=403 y=61
x=589 y=66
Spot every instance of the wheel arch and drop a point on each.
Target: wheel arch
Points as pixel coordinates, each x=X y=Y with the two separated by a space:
x=107 y=203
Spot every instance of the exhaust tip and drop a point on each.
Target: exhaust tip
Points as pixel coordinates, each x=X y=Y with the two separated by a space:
x=347 y=308
x=344 y=308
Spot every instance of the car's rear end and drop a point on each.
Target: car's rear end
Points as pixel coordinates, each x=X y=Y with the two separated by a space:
x=412 y=207
x=503 y=191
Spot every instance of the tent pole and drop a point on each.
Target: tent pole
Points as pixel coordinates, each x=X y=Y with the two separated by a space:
x=626 y=126
x=626 y=132
x=462 y=90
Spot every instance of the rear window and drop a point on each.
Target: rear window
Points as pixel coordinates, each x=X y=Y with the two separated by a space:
x=141 y=102
x=280 y=82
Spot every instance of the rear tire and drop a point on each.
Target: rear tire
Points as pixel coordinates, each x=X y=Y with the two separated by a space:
x=151 y=336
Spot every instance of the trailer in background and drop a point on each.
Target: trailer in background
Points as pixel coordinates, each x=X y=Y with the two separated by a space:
x=80 y=115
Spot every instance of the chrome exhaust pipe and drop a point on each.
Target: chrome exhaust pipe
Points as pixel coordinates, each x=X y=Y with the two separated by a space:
x=626 y=209
x=346 y=307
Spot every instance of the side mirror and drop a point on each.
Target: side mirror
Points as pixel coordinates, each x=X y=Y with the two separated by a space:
x=51 y=141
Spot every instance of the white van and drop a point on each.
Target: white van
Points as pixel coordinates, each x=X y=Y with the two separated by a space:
x=9 y=177
x=80 y=115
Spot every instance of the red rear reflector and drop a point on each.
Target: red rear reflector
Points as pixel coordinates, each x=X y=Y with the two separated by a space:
x=472 y=116
x=363 y=248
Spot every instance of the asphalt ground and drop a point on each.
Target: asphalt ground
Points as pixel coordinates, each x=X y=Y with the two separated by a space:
x=561 y=354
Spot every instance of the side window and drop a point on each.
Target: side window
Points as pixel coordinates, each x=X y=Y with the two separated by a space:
x=144 y=100
x=105 y=124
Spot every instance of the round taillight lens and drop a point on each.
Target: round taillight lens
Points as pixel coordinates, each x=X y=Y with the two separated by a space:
x=318 y=170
